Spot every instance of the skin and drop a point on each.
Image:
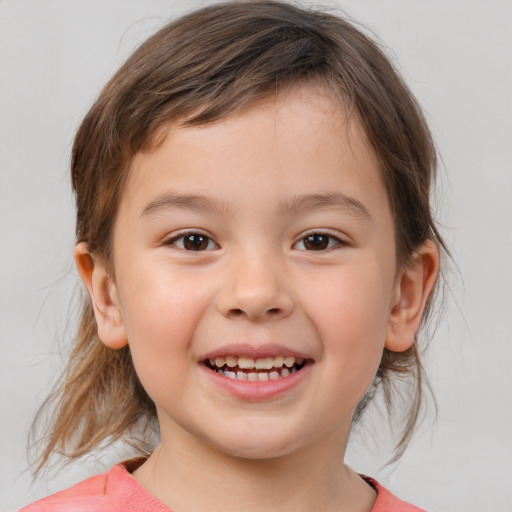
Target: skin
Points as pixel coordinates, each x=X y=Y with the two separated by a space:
x=257 y=282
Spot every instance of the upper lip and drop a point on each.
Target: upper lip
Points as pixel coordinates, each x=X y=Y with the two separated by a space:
x=253 y=351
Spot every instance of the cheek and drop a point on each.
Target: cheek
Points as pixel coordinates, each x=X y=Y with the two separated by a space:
x=161 y=316
x=157 y=300
x=351 y=303
x=351 y=313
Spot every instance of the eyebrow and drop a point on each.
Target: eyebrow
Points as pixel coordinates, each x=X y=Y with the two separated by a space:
x=292 y=206
x=328 y=201
x=170 y=201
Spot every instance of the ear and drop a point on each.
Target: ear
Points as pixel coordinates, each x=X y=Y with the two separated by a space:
x=413 y=288
x=102 y=290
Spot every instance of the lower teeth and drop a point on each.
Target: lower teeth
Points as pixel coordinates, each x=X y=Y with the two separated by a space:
x=257 y=376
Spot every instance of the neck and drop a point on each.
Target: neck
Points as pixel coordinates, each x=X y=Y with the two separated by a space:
x=189 y=475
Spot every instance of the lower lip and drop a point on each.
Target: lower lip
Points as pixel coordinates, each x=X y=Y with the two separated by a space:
x=259 y=390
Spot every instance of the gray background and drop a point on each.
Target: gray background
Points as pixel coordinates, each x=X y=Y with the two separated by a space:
x=456 y=56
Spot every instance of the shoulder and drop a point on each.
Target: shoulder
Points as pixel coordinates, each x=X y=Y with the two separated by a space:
x=115 y=490
x=81 y=496
x=387 y=502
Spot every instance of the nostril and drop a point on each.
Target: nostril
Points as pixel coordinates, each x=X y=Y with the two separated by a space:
x=237 y=312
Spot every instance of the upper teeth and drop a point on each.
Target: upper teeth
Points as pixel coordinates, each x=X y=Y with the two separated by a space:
x=260 y=363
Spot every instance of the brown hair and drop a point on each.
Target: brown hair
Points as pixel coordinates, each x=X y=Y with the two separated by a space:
x=198 y=69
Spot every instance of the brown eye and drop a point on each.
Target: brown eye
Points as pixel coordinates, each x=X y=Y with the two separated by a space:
x=193 y=242
x=316 y=242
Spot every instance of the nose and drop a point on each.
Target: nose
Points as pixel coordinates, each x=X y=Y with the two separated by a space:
x=255 y=289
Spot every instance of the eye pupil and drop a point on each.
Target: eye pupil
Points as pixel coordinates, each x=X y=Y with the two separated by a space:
x=195 y=242
x=316 y=242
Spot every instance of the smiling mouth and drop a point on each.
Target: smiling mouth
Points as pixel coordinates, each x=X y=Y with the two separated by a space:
x=255 y=370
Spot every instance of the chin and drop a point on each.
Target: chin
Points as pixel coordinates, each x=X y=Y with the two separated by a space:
x=257 y=452
x=262 y=447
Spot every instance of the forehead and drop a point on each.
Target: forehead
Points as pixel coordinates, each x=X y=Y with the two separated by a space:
x=299 y=139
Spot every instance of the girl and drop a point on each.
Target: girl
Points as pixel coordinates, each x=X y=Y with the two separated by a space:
x=255 y=236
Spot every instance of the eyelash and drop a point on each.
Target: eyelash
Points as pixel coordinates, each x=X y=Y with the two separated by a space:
x=189 y=234
x=204 y=242
x=332 y=241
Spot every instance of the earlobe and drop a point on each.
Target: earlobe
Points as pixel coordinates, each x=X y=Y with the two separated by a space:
x=412 y=292
x=102 y=290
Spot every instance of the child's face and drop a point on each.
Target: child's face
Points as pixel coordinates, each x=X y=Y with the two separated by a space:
x=244 y=279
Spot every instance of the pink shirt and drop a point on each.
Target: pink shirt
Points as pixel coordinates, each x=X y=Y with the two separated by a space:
x=117 y=491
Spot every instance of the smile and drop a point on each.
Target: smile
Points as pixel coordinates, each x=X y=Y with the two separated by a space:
x=255 y=370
